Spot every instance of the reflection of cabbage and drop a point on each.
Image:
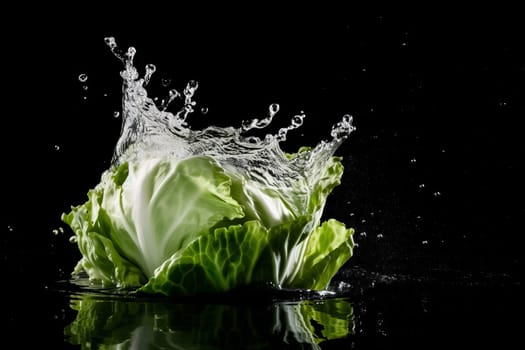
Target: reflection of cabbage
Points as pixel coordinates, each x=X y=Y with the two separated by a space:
x=121 y=324
x=190 y=226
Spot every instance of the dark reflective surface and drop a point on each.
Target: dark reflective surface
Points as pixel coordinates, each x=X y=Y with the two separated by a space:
x=375 y=310
x=120 y=323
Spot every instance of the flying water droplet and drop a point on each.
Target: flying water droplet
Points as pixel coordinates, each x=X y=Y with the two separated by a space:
x=110 y=41
x=297 y=121
x=116 y=114
x=342 y=129
x=274 y=108
x=58 y=231
x=260 y=123
x=131 y=54
x=150 y=69
x=204 y=110
x=83 y=78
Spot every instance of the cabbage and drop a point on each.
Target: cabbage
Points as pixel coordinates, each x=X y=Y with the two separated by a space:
x=191 y=226
x=185 y=212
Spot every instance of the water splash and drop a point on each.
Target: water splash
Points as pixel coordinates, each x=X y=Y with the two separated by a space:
x=149 y=130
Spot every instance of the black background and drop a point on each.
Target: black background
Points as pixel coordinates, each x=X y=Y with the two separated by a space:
x=433 y=174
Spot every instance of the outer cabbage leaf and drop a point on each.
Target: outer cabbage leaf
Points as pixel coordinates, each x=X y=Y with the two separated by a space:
x=213 y=263
x=329 y=247
x=149 y=210
x=100 y=259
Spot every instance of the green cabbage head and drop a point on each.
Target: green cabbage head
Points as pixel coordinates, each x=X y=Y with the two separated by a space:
x=191 y=226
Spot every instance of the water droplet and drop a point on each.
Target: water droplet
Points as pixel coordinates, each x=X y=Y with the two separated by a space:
x=131 y=53
x=83 y=78
x=437 y=194
x=413 y=160
x=379 y=236
x=342 y=129
x=56 y=147
x=192 y=85
x=84 y=87
x=172 y=95
x=110 y=41
x=204 y=110
x=274 y=108
x=362 y=234
x=150 y=69
x=421 y=186
x=425 y=242
x=73 y=239
x=297 y=121
x=116 y=114
x=10 y=228
x=165 y=82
